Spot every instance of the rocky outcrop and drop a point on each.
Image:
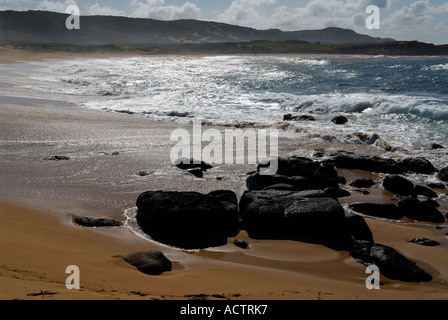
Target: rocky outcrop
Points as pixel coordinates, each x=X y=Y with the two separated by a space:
x=290 y=117
x=149 y=262
x=391 y=264
x=339 y=120
x=423 y=191
x=189 y=220
x=398 y=185
x=358 y=228
x=367 y=163
x=362 y=183
x=435 y=146
x=413 y=208
x=440 y=186
x=418 y=165
x=443 y=174
x=296 y=216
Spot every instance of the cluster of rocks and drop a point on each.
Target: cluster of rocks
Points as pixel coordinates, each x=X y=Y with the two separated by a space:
x=336 y=120
x=299 y=203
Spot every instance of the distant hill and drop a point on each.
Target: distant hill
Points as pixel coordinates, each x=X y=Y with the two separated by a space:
x=335 y=35
x=42 y=27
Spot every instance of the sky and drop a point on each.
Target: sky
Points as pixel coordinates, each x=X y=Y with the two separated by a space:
x=422 y=20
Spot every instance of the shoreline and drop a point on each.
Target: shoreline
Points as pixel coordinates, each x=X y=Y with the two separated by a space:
x=41 y=197
x=13 y=56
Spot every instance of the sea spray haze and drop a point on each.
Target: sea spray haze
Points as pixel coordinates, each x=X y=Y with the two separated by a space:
x=404 y=100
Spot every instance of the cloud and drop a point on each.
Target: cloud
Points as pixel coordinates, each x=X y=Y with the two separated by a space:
x=419 y=20
x=97 y=9
x=55 y=6
x=379 y=3
x=313 y=14
x=156 y=9
x=416 y=13
x=245 y=12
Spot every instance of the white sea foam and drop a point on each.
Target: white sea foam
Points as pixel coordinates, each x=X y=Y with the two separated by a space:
x=436 y=67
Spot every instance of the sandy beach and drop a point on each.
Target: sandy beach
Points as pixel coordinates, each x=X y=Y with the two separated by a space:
x=40 y=198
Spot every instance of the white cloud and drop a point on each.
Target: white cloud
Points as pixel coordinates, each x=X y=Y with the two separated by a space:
x=97 y=9
x=314 y=14
x=156 y=9
x=418 y=20
x=416 y=13
x=379 y=3
x=246 y=12
x=55 y=6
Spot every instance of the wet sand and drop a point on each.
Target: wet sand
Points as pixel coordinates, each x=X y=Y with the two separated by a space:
x=107 y=150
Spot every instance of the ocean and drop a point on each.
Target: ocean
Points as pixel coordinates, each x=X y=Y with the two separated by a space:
x=399 y=100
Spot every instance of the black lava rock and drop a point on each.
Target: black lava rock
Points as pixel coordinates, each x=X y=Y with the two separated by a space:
x=391 y=263
x=443 y=174
x=398 y=185
x=425 y=242
x=418 y=210
x=367 y=163
x=97 y=223
x=309 y=216
x=189 y=220
x=362 y=183
x=150 y=262
x=339 y=120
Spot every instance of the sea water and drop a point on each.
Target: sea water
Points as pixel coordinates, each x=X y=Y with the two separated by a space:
x=403 y=100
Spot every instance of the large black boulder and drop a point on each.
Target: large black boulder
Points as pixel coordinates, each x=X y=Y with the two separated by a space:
x=380 y=210
x=358 y=228
x=436 y=185
x=423 y=191
x=398 y=185
x=418 y=165
x=308 y=216
x=362 y=183
x=189 y=220
x=339 y=120
x=391 y=264
x=443 y=174
x=413 y=208
x=149 y=262
x=367 y=163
